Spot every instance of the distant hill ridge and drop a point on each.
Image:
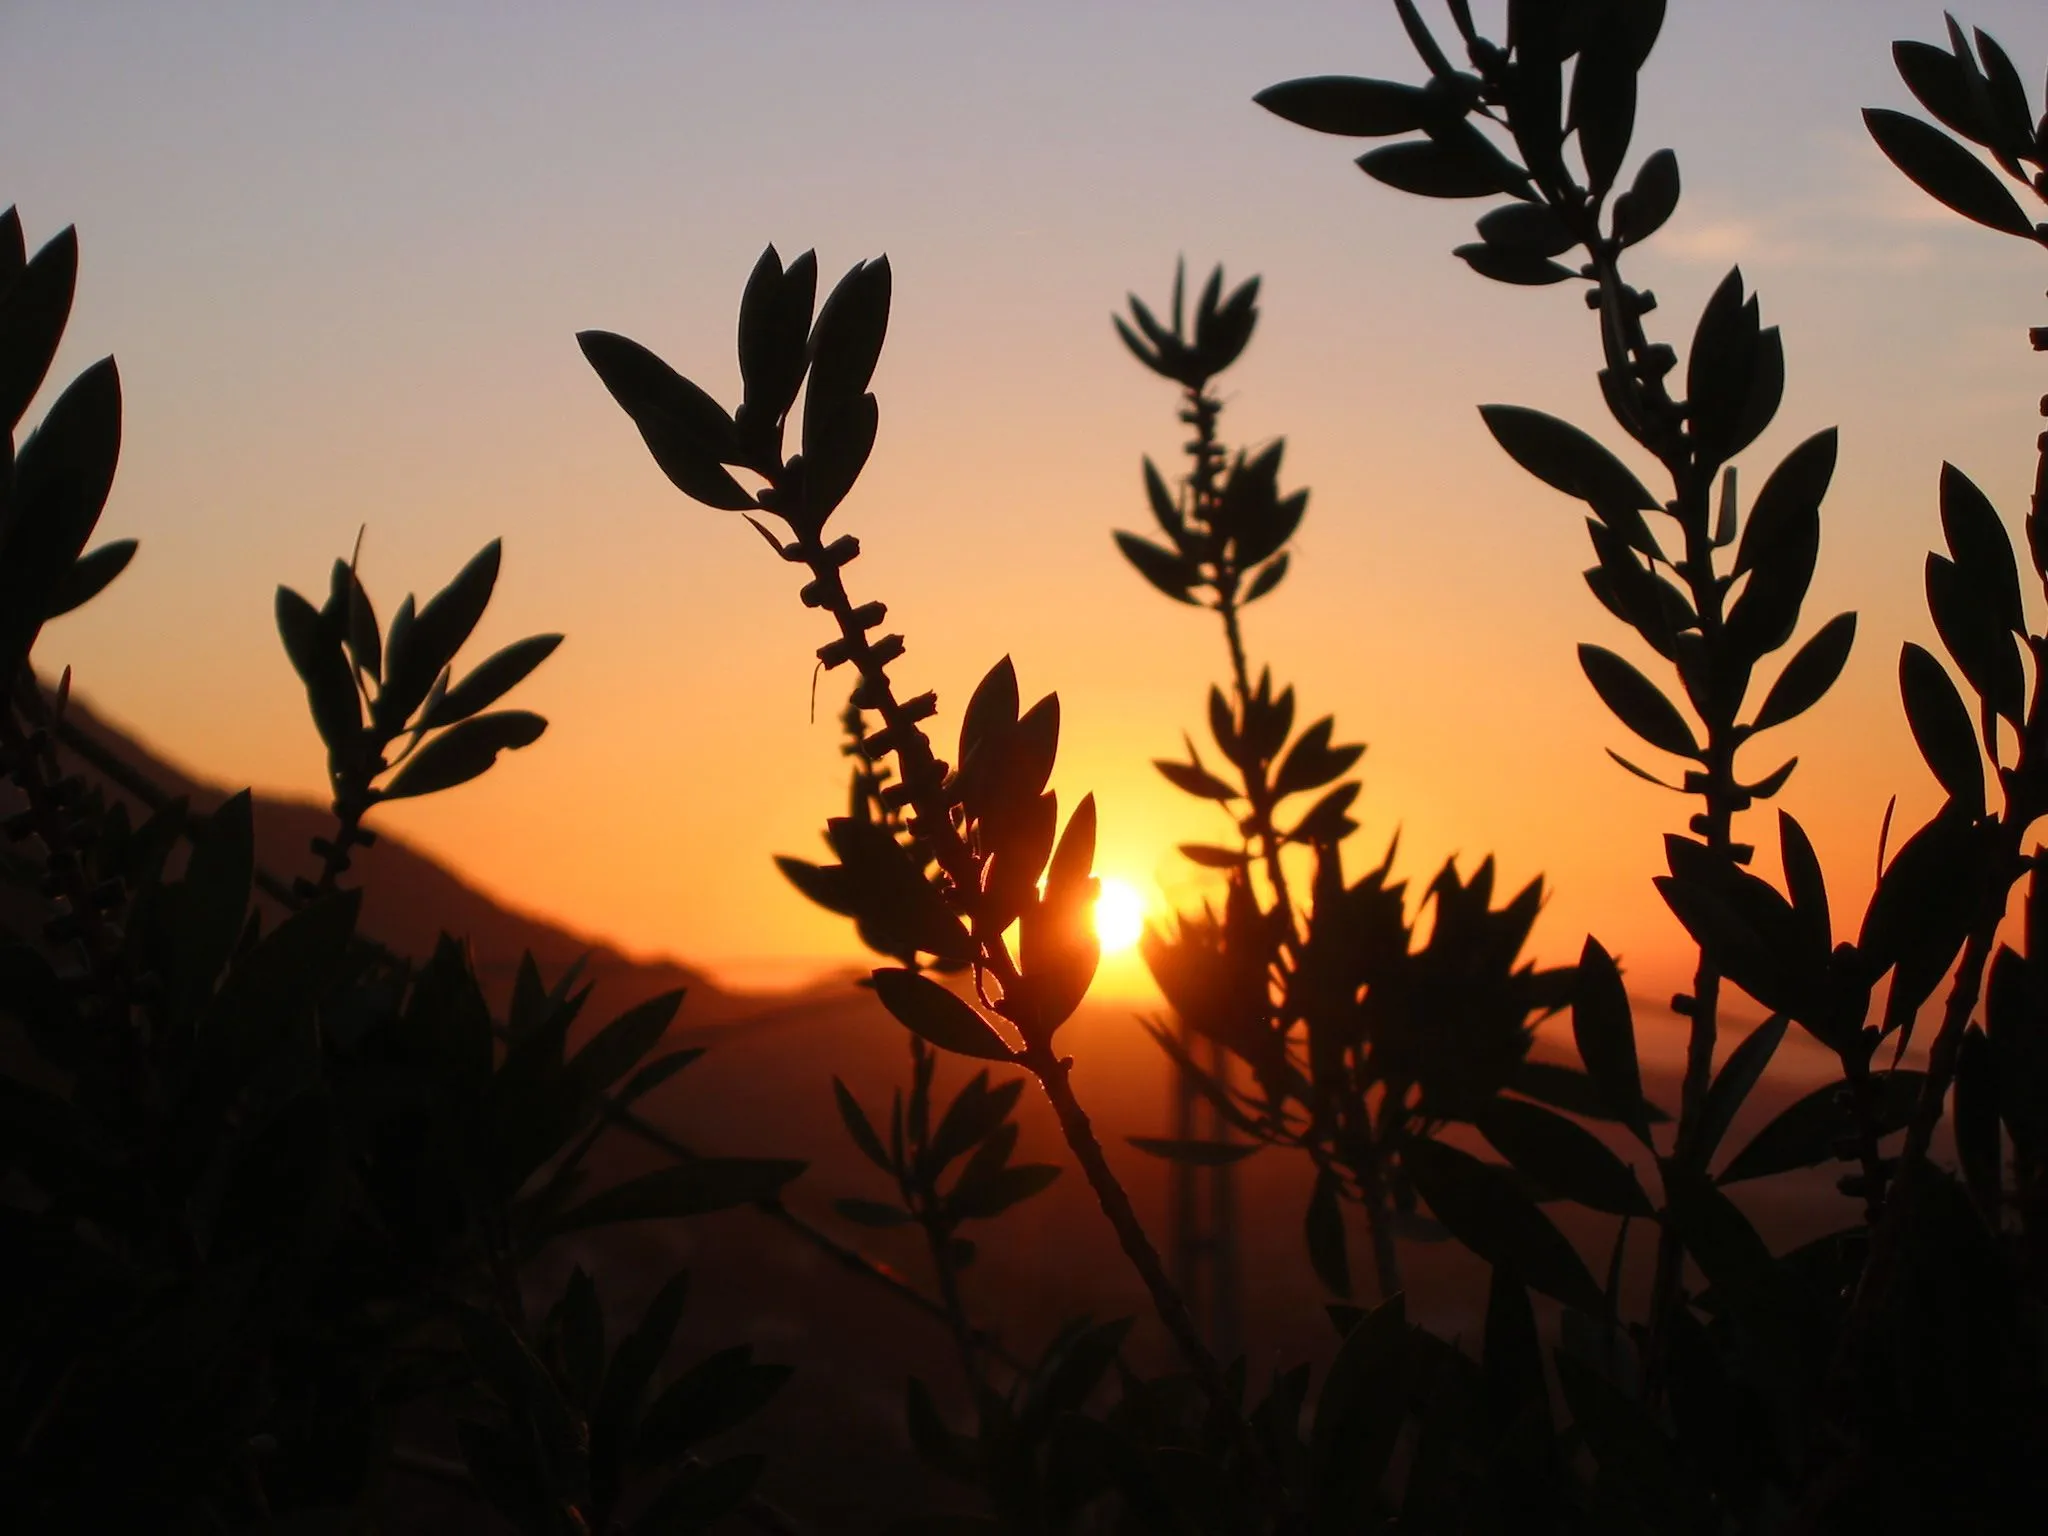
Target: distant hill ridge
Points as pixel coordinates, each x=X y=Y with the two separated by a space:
x=409 y=898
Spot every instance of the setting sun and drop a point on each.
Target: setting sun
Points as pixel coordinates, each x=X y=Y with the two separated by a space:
x=1119 y=916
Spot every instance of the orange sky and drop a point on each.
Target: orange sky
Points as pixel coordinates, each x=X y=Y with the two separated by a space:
x=341 y=255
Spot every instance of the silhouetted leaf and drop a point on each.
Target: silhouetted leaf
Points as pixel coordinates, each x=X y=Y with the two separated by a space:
x=1326 y=821
x=1171 y=573
x=619 y=1047
x=1532 y=229
x=981 y=1194
x=491 y=680
x=1732 y=1084
x=316 y=655
x=1643 y=773
x=873 y=1213
x=711 y=1397
x=1605 y=1033
x=1522 y=268
x=619 y=1399
x=1941 y=727
x=1193 y=779
x=1650 y=200
x=1487 y=1211
x=1312 y=762
x=654 y=1074
x=975 y=1114
x=859 y=1128
x=1359 y=1417
x=1981 y=547
x=1938 y=78
x=419 y=648
x=1566 y=459
x=1268 y=577
x=1211 y=857
x=88 y=576
x=1165 y=511
x=463 y=751
x=1805 y=886
x=1202 y=1154
x=1766 y=391
x=1564 y=1158
x=1347 y=105
x=774 y=329
x=1721 y=370
x=925 y=1008
x=1779 y=547
x=1603 y=105
x=1569 y=1089
x=1946 y=171
x=1440 y=168
x=33 y=312
x=1804 y=1134
x=688 y=432
x=846 y=342
x=1983 y=647
x=1809 y=674
x=1636 y=702
x=686 y=1189
x=63 y=473
x=836 y=449
x=2012 y=122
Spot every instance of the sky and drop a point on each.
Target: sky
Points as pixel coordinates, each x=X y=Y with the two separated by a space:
x=341 y=252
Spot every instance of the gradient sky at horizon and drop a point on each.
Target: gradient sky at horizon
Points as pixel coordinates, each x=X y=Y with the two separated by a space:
x=341 y=251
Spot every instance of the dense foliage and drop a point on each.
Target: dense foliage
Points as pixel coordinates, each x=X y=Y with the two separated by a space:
x=272 y=1196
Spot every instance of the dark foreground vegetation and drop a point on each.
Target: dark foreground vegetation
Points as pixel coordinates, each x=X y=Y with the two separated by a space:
x=285 y=1211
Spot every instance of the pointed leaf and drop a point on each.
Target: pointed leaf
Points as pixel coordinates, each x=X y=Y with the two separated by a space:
x=463 y=752
x=1486 y=1210
x=1200 y=1154
x=1809 y=674
x=1941 y=727
x=1604 y=1029
x=925 y=1008
x=1945 y=171
x=1636 y=702
x=1564 y=1158
x=1347 y=105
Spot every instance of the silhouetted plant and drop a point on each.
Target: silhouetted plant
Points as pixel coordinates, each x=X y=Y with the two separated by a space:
x=975 y=1125
x=1829 y=1353
x=369 y=690
x=990 y=825
x=265 y=1186
x=1359 y=1045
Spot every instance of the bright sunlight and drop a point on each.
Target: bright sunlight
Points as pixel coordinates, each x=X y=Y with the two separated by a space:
x=1119 y=916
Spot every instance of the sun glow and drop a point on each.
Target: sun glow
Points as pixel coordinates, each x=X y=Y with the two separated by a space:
x=1119 y=916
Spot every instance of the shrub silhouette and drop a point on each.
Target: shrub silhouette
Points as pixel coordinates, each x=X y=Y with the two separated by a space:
x=269 y=1191
x=1359 y=1045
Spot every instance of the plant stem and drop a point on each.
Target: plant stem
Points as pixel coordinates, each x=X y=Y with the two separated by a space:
x=921 y=778
x=1052 y=1073
x=1386 y=1256
x=965 y=1340
x=1207 y=453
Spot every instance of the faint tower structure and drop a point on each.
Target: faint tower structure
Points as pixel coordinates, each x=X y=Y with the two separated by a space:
x=1202 y=1206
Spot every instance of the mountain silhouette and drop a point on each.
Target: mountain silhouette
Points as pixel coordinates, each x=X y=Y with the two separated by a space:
x=409 y=898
